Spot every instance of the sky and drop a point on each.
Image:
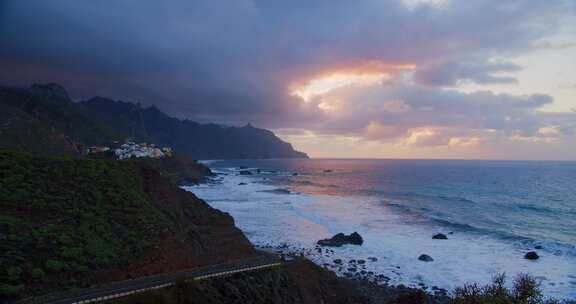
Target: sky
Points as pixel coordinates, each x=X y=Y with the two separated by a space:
x=473 y=79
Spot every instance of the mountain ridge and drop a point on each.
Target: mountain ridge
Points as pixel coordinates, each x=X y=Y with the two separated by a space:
x=31 y=116
x=216 y=141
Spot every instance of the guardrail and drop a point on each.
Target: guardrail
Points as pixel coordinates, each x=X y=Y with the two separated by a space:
x=129 y=287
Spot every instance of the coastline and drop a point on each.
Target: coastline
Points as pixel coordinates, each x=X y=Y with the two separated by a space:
x=385 y=272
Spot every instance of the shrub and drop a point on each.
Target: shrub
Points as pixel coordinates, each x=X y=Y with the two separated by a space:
x=37 y=273
x=8 y=290
x=412 y=296
x=55 y=266
x=525 y=290
x=14 y=273
x=75 y=253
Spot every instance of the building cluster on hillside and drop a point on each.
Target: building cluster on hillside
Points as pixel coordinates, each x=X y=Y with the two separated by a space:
x=131 y=149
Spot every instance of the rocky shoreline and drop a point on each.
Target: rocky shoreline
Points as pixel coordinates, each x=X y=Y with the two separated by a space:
x=374 y=286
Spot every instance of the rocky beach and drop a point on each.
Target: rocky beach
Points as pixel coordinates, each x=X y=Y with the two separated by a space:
x=302 y=211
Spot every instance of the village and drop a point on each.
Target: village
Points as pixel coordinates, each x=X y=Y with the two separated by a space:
x=130 y=149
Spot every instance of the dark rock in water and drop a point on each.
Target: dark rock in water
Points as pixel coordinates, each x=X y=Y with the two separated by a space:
x=242 y=167
x=294 y=174
x=245 y=172
x=280 y=191
x=258 y=171
x=242 y=184
x=337 y=261
x=327 y=171
x=352 y=261
x=439 y=236
x=532 y=255
x=361 y=262
x=342 y=239
x=425 y=258
x=372 y=259
x=538 y=247
x=352 y=269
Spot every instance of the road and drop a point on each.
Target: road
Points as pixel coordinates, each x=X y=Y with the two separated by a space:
x=129 y=287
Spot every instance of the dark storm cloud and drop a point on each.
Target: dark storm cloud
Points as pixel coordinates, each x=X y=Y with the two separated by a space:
x=231 y=61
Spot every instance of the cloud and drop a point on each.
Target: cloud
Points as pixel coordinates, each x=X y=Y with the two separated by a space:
x=218 y=58
x=454 y=73
x=408 y=113
x=236 y=61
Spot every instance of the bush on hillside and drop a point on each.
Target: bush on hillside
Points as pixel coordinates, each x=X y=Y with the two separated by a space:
x=525 y=290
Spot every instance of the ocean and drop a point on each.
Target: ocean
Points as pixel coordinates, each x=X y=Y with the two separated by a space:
x=493 y=212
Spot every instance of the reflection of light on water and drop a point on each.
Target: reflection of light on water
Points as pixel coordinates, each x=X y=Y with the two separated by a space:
x=392 y=234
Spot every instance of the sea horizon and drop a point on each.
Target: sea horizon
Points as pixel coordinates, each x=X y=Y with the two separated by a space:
x=313 y=198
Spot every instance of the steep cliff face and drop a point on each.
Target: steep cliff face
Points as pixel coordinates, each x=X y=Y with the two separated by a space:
x=43 y=119
x=72 y=223
x=201 y=141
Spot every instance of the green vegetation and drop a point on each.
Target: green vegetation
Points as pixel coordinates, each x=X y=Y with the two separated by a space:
x=63 y=217
x=525 y=290
x=179 y=169
x=44 y=120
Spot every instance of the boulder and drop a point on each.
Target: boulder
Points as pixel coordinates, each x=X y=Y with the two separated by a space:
x=242 y=184
x=361 y=262
x=245 y=172
x=439 y=236
x=280 y=191
x=372 y=259
x=342 y=239
x=532 y=255
x=355 y=239
x=538 y=247
x=425 y=258
x=337 y=261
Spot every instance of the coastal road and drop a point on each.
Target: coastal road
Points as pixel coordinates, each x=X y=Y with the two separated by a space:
x=129 y=287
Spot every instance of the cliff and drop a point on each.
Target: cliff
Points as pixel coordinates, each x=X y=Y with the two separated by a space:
x=201 y=141
x=73 y=223
x=43 y=119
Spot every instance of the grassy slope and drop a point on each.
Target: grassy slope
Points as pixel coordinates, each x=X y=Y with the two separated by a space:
x=69 y=216
x=66 y=221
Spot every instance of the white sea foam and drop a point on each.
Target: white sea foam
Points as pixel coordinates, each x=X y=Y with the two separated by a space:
x=267 y=217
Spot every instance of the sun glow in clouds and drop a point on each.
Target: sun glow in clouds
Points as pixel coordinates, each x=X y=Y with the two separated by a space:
x=368 y=73
x=325 y=84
